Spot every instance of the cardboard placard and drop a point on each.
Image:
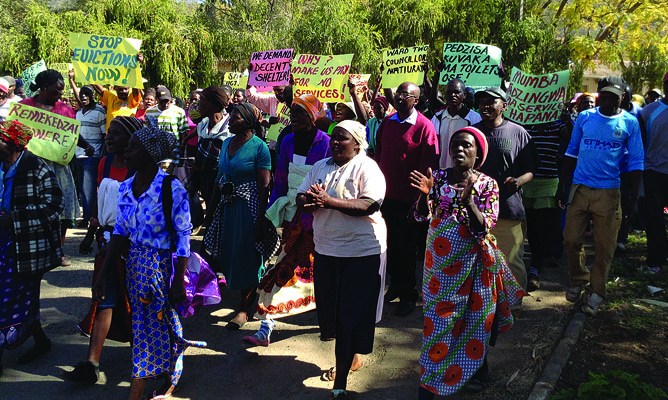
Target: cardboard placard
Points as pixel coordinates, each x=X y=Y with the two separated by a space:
x=283 y=121
x=270 y=68
x=404 y=65
x=106 y=60
x=28 y=76
x=55 y=136
x=322 y=76
x=475 y=64
x=536 y=99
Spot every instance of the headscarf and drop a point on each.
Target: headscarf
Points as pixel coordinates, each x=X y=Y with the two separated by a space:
x=15 y=132
x=251 y=114
x=382 y=100
x=129 y=125
x=350 y=105
x=582 y=96
x=215 y=96
x=481 y=142
x=159 y=144
x=311 y=105
x=356 y=130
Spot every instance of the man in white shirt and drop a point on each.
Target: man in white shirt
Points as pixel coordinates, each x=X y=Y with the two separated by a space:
x=454 y=116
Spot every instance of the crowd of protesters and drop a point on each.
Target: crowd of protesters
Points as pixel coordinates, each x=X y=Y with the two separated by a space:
x=357 y=189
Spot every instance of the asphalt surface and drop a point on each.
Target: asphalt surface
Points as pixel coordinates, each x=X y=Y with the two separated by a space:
x=290 y=368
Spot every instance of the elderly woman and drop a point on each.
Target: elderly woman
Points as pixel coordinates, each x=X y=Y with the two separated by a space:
x=30 y=201
x=287 y=289
x=145 y=221
x=467 y=286
x=51 y=85
x=345 y=192
x=237 y=235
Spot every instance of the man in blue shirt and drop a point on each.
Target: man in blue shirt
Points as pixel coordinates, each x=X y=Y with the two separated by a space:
x=606 y=141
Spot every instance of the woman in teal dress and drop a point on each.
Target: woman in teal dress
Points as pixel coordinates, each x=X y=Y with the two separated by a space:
x=239 y=236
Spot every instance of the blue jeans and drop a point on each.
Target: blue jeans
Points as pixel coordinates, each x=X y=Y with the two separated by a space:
x=87 y=184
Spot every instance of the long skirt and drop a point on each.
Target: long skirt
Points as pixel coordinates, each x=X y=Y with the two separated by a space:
x=121 y=322
x=19 y=298
x=468 y=289
x=157 y=336
x=347 y=291
x=287 y=288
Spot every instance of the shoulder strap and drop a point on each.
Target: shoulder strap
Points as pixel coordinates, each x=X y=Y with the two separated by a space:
x=167 y=202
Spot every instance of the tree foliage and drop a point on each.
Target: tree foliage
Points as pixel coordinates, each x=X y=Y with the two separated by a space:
x=185 y=42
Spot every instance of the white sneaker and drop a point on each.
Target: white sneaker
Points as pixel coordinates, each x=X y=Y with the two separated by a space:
x=574 y=293
x=590 y=307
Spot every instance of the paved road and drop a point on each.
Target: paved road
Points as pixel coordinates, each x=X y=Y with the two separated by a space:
x=289 y=368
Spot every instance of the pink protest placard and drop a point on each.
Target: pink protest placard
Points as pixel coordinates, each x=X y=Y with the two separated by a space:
x=270 y=68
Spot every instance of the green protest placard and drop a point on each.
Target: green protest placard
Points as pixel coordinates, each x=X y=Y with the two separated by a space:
x=322 y=76
x=28 y=76
x=404 y=65
x=283 y=121
x=236 y=80
x=55 y=137
x=106 y=59
x=535 y=99
x=64 y=69
x=476 y=64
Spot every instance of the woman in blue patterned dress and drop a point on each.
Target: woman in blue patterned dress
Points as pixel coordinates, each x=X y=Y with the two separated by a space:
x=157 y=335
x=467 y=286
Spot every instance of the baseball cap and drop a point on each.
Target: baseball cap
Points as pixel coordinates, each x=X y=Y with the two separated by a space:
x=163 y=93
x=4 y=85
x=494 y=91
x=10 y=80
x=612 y=84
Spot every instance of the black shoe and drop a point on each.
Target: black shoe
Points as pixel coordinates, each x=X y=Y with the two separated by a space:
x=404 y=308
x=533 y=283
x=392 y=293
x=84 y=372
x=35 y=352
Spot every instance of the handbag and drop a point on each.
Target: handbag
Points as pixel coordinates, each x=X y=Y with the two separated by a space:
x=200 y=281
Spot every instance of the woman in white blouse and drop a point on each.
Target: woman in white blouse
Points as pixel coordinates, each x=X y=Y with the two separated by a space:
x=345 y=192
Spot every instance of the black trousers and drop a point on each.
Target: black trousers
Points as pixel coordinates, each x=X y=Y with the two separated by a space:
x=405 y=238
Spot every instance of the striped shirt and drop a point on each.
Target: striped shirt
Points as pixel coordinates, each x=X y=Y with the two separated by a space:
x=173 y=119
x=546 y=137
x=93 y=128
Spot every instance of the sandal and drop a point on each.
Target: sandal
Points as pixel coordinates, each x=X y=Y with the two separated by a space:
x=235 y=324
x=65 y=262
x=330 y=374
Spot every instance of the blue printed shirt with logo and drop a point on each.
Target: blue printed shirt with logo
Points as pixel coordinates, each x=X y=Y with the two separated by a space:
x=605 y=146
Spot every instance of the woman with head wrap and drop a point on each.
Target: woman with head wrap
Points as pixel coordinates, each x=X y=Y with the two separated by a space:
x=210 y=133
x=157 y=336
x=291 y=279
x=237 y=235
x=467 y=285
x=30 y=202
x=50 y=84
x=345 y=192
x=111 y=318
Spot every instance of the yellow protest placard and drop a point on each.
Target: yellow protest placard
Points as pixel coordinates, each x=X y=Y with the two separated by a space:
x=361 y=82
x=404 y=65
x=64 y=69
x=55 y=137
x=283 y=121
x=535 y=99
x=322 y=76
x=236 y=80
x=106 y=59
